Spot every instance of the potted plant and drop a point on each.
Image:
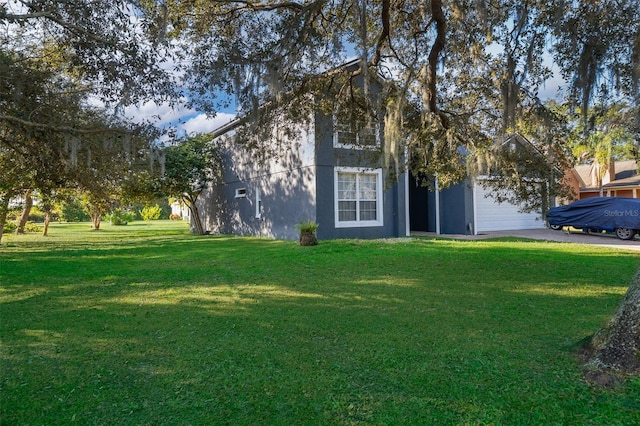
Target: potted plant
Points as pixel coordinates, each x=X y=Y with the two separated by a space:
x=307 y=230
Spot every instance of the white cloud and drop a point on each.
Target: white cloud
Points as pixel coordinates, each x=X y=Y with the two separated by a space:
x=203 y=124
x=184 y=120
x=159 y=114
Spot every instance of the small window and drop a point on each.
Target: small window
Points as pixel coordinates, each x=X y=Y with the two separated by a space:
x=241 y=192
x=258 y=204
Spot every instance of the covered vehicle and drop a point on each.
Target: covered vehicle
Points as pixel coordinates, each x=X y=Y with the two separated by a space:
x=611 y=214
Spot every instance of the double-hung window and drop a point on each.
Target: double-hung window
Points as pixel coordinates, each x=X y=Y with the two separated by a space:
x=358 y=197
x=352 y=129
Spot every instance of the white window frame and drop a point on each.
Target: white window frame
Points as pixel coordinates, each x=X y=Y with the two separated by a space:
x=241 y=192
x=357 y=145
x=258 y=203
x=379 y=197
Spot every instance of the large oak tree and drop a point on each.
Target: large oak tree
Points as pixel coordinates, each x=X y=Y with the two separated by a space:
x=463 y=74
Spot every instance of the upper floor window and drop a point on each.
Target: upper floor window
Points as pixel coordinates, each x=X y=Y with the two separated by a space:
x=353 y=127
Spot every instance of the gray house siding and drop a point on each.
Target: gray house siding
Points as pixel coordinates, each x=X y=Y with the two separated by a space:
x=456 y=209
x=284 y=188
x=455 y=205
x=393 y=210
x=328 y=158
x=300 y=185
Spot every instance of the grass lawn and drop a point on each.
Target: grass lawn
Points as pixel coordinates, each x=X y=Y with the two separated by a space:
x=148 y=325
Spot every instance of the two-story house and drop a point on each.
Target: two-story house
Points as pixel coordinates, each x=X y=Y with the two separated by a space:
x=331 y=170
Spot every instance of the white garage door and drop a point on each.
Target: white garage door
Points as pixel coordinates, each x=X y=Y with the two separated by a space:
x=491 y=216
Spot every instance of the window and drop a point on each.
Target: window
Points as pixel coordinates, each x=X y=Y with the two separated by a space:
x=258 y=203
x=353 y=129
x=358 y=197
x=241 y=192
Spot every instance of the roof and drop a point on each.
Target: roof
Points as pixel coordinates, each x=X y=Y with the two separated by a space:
x=626 y=169
x=630 y=181
x=225 y=128
x=584 y=171
x=625 y=174
x=524 y=142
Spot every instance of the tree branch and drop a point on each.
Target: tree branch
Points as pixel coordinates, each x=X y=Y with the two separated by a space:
x=265 y=7
x=437 y=47
x=55 y=128
x=384 y=34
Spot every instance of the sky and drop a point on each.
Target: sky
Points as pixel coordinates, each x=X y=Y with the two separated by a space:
x=188 y=121
x=185 y=120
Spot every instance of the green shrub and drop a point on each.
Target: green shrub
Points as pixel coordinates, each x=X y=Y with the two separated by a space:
x=14 y=213
x=307 y=226
x=9 y=227
x=119 y=217
x=72 y=211
x=32 y=227
x=36 y=215
x=151 y=212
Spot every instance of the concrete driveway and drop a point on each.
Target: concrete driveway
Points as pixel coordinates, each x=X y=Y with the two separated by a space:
x=602 y=240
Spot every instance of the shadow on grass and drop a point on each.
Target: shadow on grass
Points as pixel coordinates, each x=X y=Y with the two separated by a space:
x=248 y=331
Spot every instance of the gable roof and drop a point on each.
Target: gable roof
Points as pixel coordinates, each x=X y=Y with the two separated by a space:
x=584 y=172
x=243 y=118
x=522 y=141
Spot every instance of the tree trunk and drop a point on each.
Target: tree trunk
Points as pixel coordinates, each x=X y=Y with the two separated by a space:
x=47 y=220
x=96 y=217
x=28 y=203
x=616 y=347
x=195 y=216
x=4 y=210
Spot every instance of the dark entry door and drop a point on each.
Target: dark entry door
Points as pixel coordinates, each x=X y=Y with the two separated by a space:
x=418 y=206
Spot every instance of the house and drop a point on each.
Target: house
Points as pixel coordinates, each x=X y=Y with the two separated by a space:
x=332 y=171
x=621 y=179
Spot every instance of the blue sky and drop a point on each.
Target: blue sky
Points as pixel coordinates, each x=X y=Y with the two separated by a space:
x=189 y=121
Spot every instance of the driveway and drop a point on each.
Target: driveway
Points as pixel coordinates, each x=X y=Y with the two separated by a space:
x=602 y=240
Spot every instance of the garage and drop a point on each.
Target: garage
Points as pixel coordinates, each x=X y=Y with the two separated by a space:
x=492 y=216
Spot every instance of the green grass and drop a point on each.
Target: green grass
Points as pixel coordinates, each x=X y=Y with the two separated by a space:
x=148 y=325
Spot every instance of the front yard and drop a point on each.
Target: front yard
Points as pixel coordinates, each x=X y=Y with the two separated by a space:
x=147 y=324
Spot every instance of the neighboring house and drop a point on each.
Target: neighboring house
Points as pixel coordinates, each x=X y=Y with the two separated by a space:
x=333 y=173
x=620 y=180
x=178 y=208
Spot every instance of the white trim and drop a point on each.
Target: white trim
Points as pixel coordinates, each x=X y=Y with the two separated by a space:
x=241 y=192
x=379 y=190
x=357 y=145
x=437 y=188
x=258 y=199
x=407 y=217
x=475 y=208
